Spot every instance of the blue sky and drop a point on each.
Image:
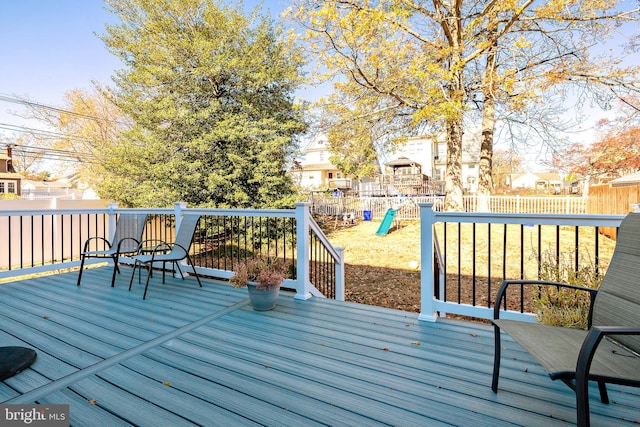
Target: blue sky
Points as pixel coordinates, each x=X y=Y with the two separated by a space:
x=50 y=47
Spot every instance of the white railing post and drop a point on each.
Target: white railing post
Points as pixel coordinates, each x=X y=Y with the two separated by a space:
x=427 y=299
x=303 y=283
x=178 y=208
x=340 y=276
x=112 y=219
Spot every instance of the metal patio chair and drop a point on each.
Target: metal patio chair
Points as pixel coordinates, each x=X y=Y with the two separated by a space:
x=609 y=351
x=165 y=252
x=126 y=239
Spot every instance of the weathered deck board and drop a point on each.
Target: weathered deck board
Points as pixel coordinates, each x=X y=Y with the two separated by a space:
x=190 y=355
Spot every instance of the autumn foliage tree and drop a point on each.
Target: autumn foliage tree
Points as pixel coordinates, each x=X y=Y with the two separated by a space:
x=616 y=154
x=87 y=128
x=426 y=67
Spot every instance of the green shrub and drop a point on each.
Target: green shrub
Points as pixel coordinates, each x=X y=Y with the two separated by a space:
x=565 y=307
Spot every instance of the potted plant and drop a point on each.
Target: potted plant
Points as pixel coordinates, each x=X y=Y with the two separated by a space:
x=262 y=279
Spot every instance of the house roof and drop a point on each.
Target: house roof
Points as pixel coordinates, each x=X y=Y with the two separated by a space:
x=318 y=167
x=47 y=184
x=10 y=175
x=544 y=176
x=632 y=179
x=402 y=161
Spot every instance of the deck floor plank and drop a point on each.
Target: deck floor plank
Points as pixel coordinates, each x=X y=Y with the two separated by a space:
x=189 y=355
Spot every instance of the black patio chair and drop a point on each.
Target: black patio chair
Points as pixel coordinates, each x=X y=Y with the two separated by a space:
x=609 y=351
x=165 y=252
x=126 y=239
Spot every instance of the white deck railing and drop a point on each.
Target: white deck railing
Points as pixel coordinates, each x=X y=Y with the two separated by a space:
x=46 y=240
x=567 y=231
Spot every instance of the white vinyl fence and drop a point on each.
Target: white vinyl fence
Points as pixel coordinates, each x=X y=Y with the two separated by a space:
x=376 y=207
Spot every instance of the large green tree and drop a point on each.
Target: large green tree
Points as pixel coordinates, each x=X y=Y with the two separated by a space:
x=209 y=91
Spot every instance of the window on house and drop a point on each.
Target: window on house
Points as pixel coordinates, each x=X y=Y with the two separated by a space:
x=338 y=175
x=2 y=187
x=330 y=175
x=11 y=187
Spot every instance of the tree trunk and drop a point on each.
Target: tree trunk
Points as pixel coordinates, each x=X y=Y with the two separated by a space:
x=485 y=179
x=453 y=178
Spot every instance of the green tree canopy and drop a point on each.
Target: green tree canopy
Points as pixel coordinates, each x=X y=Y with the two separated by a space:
x=210 y=94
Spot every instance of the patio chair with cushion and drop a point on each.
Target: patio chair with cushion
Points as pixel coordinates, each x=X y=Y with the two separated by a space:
x=609 y=351
x=126 y=239
x=165 y=252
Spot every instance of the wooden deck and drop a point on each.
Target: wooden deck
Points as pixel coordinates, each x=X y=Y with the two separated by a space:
x=189 y=355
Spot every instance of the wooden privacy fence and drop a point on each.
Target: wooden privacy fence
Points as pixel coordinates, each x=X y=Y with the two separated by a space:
x=604 y=199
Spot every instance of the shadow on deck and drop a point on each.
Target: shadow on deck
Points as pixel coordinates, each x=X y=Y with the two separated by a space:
x=190 y=355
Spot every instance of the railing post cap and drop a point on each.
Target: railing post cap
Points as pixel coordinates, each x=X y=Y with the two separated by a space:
x=425 y=204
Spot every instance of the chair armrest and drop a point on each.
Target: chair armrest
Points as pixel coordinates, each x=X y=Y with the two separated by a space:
x=506 y=283
x=583 y=365
x=126 y=239
x=174 y=245
x=88 y=241
x=152 y=246
x=595 y=335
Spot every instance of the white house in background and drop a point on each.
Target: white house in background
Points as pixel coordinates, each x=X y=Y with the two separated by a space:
x=314 y=171
x=432 y=156
x=547 y=182
x=50 y=189
x=10 y=181
x=418 y=149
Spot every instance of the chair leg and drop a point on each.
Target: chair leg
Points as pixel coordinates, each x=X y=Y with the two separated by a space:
x=115 y=270
x=146 y=286
x=82 y=257
x=133 y=273
x=496 y=359
x=604 y=396
x=582 y=401
x=195 y=273
x=177 y=265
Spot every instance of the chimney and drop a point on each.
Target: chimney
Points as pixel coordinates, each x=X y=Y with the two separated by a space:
x=9 y=154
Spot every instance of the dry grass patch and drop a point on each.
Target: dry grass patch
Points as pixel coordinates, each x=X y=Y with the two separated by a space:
x=381 y=270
